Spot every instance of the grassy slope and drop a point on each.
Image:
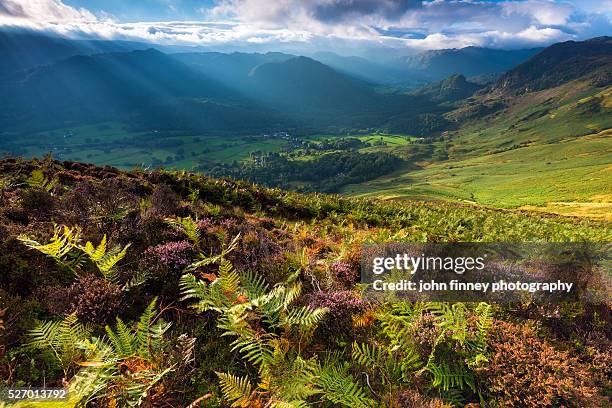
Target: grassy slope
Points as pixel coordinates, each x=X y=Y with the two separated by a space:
x=550 y=150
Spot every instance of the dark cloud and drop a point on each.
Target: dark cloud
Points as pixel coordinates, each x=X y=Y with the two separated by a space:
x=12 y=9
x=340 y=10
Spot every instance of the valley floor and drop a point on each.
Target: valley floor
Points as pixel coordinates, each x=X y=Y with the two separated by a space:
x=569 y=177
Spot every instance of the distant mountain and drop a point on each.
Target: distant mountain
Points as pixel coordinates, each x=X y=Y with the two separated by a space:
x=231 y=69
x=363 y=68
x=146 y=87
x=561 y=63
x=306 y=85
x=20 y=50
x=469 y=61
x=453 y=88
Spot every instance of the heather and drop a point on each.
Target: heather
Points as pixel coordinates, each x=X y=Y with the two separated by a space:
x=162 y=288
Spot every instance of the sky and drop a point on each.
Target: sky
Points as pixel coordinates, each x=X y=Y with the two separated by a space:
x=322 y=24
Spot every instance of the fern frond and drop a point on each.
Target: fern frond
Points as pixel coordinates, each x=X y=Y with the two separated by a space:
x=213 y=259
x=339 y=387
x=305 y=316
x=446 y=377
x=485 y=320
x=106 y=264
x=121 y=339
x=253 y=284
x=290 y=404
x=237 y=390
x=60 y=337
x=139 y=278
x=61 y=243
x=229 y=280
x=95 y=253
x=38 y=180
x=143 y=328
x=44 y=335
x=189 y=226
x=258 y=349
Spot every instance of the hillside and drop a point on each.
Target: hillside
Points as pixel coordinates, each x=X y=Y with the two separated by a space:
x=21 y=50
x=145 y=87
x=160 y=233
x=319 y=87
x=234 y=69
x=539 y=138
x=453 y=88
x=468 y=61
x=558 y=64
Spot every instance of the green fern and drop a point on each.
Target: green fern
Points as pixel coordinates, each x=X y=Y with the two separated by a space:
x=245 y=306
x=447 y=377
x=254 y=285
x=65 y=248
x=38 y=180
x=304 y=317
x=59 y=248
x=237 y=390
x=214 y=259
x=61 y=338
x=485 y=320
x=104 y=259
x=189 y=226
x=339 y=387
x=142 y=340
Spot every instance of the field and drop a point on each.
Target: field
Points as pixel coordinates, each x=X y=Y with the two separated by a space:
x=575 y=171
x=552 y=159
x=372 y=138
x=112 y=144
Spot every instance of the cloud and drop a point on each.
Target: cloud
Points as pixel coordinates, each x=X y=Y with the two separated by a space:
x=397 y=23
x=52 y=11
x=437 y=23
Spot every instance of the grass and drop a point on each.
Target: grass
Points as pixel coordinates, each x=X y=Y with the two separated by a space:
x=572 y=171
x=541 y=155
x=112 y=144
x=388 y=139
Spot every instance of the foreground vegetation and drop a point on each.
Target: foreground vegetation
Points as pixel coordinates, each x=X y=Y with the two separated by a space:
x=169 y=289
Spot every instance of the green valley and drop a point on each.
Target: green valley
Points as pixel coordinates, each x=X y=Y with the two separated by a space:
x=554 y=158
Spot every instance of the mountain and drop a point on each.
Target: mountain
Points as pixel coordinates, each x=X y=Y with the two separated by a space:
x=147 y=87
x=451 y=89
x=468 y=61
x=561 y=63
x=304 y=84
x=537 y=138
x=20 y=50
x=417 y=70
x=363 y=68
x=231 y=69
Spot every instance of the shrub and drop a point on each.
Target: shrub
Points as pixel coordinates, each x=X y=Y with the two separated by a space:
x=38 y=203
x=344 y=273
x=93 y=299
x=526 y=371
x=169 y=257
x=164 y=202
x=342 y=305
x=412 y=399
